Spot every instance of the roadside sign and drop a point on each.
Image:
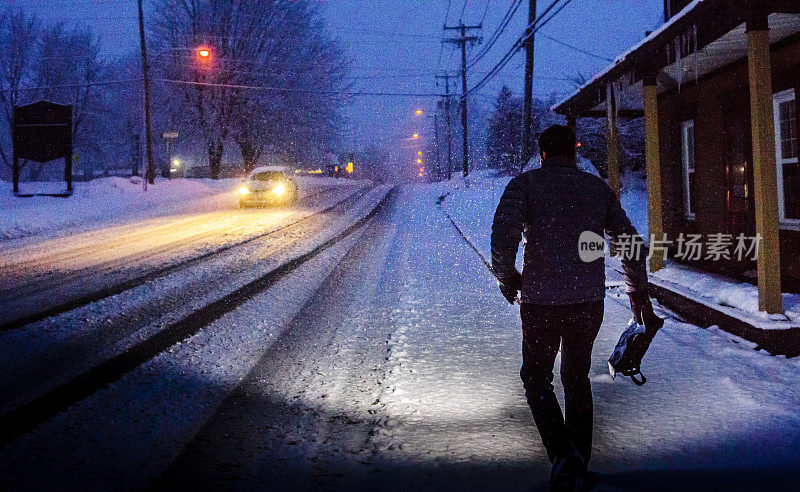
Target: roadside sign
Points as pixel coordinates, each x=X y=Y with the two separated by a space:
x=41 y=132
x=169 y=135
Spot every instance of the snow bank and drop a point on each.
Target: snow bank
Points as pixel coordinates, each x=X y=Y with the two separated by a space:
x=116 y=199
x=471 y=202
x=105 y=200
x=740 y=299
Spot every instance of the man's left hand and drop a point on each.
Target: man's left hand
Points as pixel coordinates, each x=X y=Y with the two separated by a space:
x=643 y=313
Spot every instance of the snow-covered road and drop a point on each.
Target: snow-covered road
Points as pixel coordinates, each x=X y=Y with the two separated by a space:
x=39 y=356
x=391 y=361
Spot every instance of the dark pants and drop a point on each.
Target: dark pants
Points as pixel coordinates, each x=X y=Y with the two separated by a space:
x=574 y=327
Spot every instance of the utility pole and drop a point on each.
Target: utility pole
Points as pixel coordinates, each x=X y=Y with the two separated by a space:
x=436 y=144
x=527 y=131
x=150 y=174
x=446 y=76
x=463 y=40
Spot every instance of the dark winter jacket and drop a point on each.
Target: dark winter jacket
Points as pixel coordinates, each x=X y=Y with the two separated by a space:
x=553 y=206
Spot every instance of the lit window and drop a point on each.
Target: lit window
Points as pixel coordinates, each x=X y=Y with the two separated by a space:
x=687 y=158
x=786 y=150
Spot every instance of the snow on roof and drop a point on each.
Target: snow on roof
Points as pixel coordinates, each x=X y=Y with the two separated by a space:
x=621 y=58
x=265 y=169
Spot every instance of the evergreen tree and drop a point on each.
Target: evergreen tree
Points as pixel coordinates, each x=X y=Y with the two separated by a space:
x=504 y=142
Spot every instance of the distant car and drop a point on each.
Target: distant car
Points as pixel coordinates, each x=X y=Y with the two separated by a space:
x=266 y=186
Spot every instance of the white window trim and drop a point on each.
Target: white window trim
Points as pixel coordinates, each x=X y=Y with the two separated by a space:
x=778 y=99
x=687 y=196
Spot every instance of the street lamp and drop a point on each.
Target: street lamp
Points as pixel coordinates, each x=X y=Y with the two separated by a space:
x=415 y=136
x=419 y=112
x=203 y=53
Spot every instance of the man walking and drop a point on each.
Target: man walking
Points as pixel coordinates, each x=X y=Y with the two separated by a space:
x=561 y=295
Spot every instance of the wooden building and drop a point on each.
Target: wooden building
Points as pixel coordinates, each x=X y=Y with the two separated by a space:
x=717 y=86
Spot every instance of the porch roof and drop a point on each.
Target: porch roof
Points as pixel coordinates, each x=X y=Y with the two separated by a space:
x=703 y=37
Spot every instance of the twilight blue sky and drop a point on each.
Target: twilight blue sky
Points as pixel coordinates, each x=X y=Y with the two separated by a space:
x=395 y=46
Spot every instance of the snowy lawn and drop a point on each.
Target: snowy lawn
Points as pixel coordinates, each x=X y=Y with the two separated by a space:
x=117 y=200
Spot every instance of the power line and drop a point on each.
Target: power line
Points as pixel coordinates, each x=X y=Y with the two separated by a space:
x=441 y=46
x=485 y=11
x=394 y=33
x=72 y=86
x=579 y=50
x=229 y=86
x=546 y=21
x=304 y=91
x=512 y=10
x=529 y=31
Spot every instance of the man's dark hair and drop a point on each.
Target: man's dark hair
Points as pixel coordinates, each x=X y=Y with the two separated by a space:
x=558 y=140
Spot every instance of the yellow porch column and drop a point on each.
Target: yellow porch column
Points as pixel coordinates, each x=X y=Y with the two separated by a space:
x=612 y=139
x=653 y=158
x=764 y=166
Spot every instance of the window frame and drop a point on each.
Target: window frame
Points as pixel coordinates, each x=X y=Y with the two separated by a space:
x=777 y=99
x=688 y=206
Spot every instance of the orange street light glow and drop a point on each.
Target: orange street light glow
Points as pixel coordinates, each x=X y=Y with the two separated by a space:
x=204 y=53
x=419 y=153
x=419 y=161
x=419 y=111
x=416 y=135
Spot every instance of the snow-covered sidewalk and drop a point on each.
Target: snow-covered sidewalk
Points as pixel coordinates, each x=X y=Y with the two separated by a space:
x=449 y=410
x=712 y=403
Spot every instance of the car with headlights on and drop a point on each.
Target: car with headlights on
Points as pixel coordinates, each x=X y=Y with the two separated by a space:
x=268 y=186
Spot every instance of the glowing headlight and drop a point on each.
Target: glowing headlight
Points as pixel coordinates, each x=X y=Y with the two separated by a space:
x=243 y=190
x=279 y=190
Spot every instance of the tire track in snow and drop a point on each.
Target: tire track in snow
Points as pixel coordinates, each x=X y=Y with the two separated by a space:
x=82 y=276
x=28 y=416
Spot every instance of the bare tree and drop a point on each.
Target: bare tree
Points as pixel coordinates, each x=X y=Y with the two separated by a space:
x=68 y=70
x=18 y=36
x=271 y=84
x=57 y=64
